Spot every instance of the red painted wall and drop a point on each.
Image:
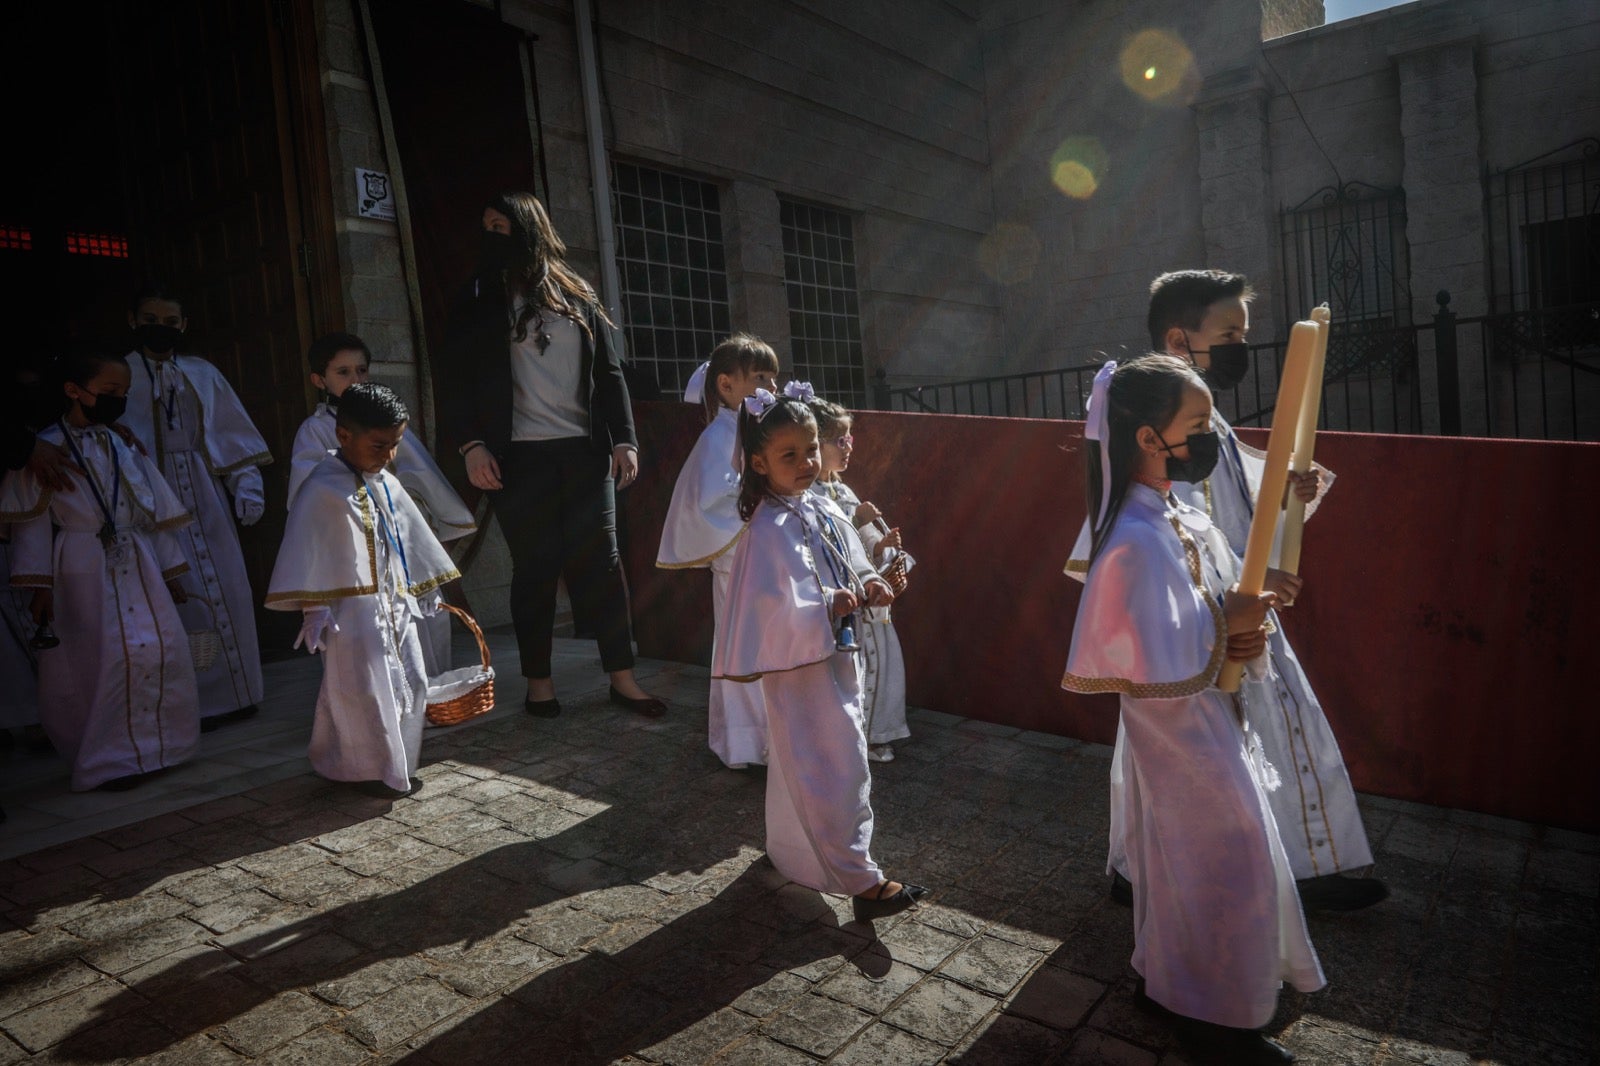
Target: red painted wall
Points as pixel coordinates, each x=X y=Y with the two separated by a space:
x=1445 y=582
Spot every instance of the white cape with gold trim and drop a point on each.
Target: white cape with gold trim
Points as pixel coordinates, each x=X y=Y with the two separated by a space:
x=1217 y=919
x=336 y=554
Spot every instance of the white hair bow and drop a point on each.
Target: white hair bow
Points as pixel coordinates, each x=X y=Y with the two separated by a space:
x=1095 y=429
x=799 y=390
x=695 y=391
x=759 y=403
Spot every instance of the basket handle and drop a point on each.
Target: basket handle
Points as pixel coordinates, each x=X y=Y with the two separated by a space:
x=472 y=627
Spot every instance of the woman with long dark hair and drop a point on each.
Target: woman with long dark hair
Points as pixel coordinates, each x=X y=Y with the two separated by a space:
x=535 y=403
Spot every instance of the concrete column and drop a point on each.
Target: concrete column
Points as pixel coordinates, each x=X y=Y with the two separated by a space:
x=1444 y=203
x=753 y=239
x=1236 y=211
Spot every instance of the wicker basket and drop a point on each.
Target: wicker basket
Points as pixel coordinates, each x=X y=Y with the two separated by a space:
x=467 y=692
x=895 y=573
x=205 y=647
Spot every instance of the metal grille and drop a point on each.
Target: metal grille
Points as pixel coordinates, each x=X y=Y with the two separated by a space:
x=819 y=267
x=673 y=268
x=1544 y=235
x=1346 y=245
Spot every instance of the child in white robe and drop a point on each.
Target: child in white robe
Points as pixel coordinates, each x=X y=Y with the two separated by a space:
x=703 y=523
x=337 y=361
x=1203 y=317
x=883 y=663
x=1217 y=922
x=799 y=578
x=192 y=424
x=360 y=564
x=117 y=695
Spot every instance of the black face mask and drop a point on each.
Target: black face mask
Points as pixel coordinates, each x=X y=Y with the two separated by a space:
x=157 y=338
x=106 y=409
x=1203 y=451
x=499 y=251
x=1229 y=364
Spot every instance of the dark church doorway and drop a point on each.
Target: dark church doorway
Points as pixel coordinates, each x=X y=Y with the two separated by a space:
x=177 y=140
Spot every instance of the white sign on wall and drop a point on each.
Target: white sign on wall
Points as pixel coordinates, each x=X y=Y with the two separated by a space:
x=374 y=194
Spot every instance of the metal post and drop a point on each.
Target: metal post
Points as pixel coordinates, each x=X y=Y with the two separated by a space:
x=880 y=389
x=1444 y=347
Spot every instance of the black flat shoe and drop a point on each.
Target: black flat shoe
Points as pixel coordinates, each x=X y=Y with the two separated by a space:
x=550 y=708
x=217 y=721
x=881 y=906
x=1226 y=1046
x=649 y=706
x=1336 y=892
x=382 y=791
x=1121 y=890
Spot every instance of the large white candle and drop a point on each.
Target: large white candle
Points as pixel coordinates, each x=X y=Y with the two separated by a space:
x=1305 y=443
x=1280 y=444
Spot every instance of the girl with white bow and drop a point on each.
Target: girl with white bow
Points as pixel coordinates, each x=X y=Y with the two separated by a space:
x=703 y=524
x=799 y=575
x=1217 y=922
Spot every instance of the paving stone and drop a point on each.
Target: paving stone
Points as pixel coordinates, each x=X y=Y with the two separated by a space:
x=68 y=881
x=389 y=851
x=43 y=985
x=212 y=884
x=219 y=809
x=153 y=941
x=39 y=1026
x=178 y=971
x=565 y=932
x=1006 y=1039
x=276 y=862
x=357 y=836
x=401 y=1012
x=816 y=1024
x=124 y=915
x=129 y=1038
x=199 y=1050
x=1091 y=1048
x=354 y=988
x=880 y=1043
x=701 y=1041
x=318 y=957
x=940 y=1010
x=200 y=1004
x=71 y=853
x=873 y=983
x=493 y=965
x=310 y=884
x=766 y=992
x=1056 y=997
x=275 y=1022
x=991 y=965
x=238 y=910
x=920 y=945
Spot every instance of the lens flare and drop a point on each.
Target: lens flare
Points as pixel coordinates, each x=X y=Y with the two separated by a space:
x=1010 y=254
x=1078 y=167
x=1159 y=68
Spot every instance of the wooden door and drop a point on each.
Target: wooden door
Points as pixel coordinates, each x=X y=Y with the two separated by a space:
x=207 y=113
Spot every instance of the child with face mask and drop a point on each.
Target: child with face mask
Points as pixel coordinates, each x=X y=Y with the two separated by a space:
x=192 y=424
x=337 y=361
x=1203 y=317
x=117 y=695
x=1217 y=925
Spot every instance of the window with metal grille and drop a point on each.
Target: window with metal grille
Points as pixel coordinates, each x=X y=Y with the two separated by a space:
x=1544 y=237
x=104 y=245
x=819 y=268
x=1346 y=245
x=16 y=238
x=673 y=270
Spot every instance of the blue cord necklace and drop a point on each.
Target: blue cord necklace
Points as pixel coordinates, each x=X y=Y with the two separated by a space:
x=108 y=531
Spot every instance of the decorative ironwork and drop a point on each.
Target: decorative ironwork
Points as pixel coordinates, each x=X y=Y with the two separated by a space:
x=1543 y=217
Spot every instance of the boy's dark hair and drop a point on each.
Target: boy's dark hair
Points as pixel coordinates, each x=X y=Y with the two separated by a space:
x=1146 y=391
x=79 y=365
x=741 y=353
x=369 y=405
x=831 y=417
x=1181 y=297
x=753 y=436
x=325 y=347
x=153 y=290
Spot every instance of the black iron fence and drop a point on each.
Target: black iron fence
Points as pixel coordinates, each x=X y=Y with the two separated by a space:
x=1532 y=374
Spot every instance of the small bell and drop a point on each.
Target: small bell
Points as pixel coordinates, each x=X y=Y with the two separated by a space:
x=847 y=634
x=44 y=638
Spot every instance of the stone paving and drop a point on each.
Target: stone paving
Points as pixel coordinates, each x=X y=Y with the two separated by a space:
x=592 y=889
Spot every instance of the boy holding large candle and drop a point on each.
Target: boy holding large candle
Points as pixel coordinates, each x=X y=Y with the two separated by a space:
x=1203 y=316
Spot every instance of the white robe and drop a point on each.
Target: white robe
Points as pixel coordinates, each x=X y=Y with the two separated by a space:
x=197 y=431
x=117 y=697
x=780 y=632
x=883 y=664
x=1305 y=776
x=1217 y=920
x=446 y=514
x=339 y=552
x=701 y=527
